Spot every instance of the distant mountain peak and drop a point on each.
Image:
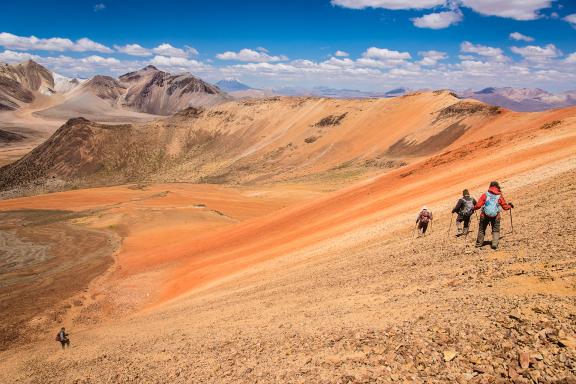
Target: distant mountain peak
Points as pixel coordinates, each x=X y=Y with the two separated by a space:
x=232 y=85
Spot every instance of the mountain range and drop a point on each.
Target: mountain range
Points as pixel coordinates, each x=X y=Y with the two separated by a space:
x=522 y=99
x=148 y=90
x=151 y=91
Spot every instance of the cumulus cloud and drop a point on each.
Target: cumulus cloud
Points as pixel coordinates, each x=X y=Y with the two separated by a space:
x=571 y=59
x=520 y=37
x=190 y=50
x=57 y=44
x=438 y=20
x=133 y=50
x=571 y=19
x=494 y=54
x=388 y=4
x=385 y=54
x=341 y=54
x=537 y=54
x=171 y=63
x=15 y=57
x=99 y=7
x=430 y=58
x=513 y=9
x=249 y=55
x=166 y=49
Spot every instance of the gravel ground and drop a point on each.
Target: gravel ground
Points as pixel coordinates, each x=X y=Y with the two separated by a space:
x=392 y=309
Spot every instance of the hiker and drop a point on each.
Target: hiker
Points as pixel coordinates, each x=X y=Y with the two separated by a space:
x=491 y=203
x=63 y=338
x=465 y=209
x=424 y=217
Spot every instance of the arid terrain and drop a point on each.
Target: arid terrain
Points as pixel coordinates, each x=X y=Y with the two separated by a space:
x=272 y=240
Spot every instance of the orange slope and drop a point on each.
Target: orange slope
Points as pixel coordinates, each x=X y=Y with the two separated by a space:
x=525 y=146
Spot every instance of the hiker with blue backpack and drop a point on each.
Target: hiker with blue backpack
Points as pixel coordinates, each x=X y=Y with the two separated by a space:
x=465 y=209
x=491 y=203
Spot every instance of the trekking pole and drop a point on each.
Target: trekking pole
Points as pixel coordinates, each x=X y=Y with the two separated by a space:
x=511 y=225
x=450 y=226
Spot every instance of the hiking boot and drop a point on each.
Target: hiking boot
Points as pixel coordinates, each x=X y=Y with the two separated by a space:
x=495 y=240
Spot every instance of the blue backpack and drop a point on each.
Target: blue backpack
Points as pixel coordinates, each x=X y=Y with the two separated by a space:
x=491 y=206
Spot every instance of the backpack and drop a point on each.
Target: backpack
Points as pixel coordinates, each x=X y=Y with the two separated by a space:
x=58 y=337
x=424 y=217
x=468 y=207
x=491 y=206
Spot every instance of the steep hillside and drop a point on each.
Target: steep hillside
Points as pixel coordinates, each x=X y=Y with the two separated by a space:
x=332 y=289
x=304 y=140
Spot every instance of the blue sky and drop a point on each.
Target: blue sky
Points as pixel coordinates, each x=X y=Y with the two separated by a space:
x=363 y=44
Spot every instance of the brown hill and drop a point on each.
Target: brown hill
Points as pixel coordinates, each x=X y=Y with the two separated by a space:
x=161 y=93
x=20 y=82
x=305 y=140
x=105 y=87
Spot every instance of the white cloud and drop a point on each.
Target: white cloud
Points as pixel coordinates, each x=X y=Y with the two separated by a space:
x=58 y=44
x=15 y=57
x=99 y=7
x=388 y=4
x=191 y=50
x=166 y=49
x=385 y=54
x=520 y=37
x=571 y=59
x=495 y=54
x=133 y=50
x=438 y=20
x=179 y=64
x=341 y=54
x=430 y=58
x=571 y=19
x=94 y=59
x=513 y=9
x=249 y=55
x=537 y=54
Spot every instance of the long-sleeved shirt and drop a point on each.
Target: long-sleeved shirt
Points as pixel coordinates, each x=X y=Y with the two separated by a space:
x=495 y=191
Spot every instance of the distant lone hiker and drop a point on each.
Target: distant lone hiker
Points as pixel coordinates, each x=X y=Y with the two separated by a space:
x=491 y=203
x=62 y=337
x=424 y=217
x=465 y=209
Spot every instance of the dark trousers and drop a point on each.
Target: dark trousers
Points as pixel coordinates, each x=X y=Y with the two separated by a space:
x=65 y=343
x=461 y=219
x=494 y=222
x=422 y=227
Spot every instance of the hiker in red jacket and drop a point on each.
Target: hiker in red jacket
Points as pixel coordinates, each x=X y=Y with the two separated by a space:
x=424 y=217
x=491 y=203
